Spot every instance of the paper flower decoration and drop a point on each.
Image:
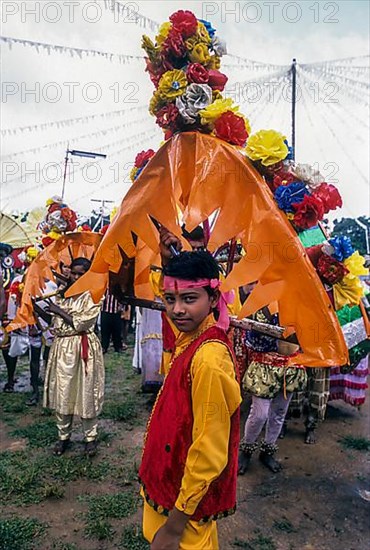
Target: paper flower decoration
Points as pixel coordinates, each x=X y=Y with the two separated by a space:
x=183 y=65
x=266 y=146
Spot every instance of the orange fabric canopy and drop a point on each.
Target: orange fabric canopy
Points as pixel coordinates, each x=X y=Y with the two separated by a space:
x=204 y=176
x=65 y=249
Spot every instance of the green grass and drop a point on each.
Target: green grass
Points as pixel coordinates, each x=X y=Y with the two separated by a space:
x=28 y=478
x=69 y=468
x=104 y=507
x=20 y=533
x=40 y=434
x=124 y=411
x=132 y=539
x=20 y=479
x=357 y=443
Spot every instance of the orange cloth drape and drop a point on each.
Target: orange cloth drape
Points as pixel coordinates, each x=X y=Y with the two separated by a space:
x=65 y=249
x=204 y=176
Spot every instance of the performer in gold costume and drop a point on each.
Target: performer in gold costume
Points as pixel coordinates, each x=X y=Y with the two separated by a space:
x=74 y=381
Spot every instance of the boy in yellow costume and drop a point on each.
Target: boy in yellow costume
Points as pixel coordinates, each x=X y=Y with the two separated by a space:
x=189 y=465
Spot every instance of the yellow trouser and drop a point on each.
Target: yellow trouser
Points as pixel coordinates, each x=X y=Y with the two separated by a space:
x=64 y=425
x=195 y=537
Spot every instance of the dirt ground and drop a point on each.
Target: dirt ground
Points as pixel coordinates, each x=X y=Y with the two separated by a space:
x=318 y=501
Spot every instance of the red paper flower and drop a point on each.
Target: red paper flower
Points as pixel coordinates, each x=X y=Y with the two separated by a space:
x=104 y=229
x=54 y=207
x=329 y=195
x=142 y=158
x=308 y=212
x=86 y=227
x=330 y=270
x=70 y=217
x=231 y=128
x=185 y=22
x=314 y=253
x=174 y=45
x=281 y=178
x=217 y=80
x=197 y=73
x=46 y=241
x=154 y=72
x=168 y=116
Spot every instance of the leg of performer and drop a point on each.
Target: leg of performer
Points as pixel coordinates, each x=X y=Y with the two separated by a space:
x=90 y=428
x=318 y=395
x=116 y=331
x=35 y=371
x=11 y=363
x=105 y=330
x=64 y=425
x=278 y=410
x=254 y=424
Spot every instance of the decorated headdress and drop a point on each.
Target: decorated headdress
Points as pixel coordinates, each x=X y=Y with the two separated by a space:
x=212 y=166
x=60 y=219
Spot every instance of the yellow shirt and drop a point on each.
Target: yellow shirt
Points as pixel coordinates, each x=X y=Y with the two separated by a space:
x=215 y=396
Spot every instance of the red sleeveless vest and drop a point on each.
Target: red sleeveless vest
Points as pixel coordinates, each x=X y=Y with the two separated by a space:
x=169 y=437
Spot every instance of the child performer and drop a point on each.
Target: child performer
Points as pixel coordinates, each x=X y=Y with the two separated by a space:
x=189 y=465
x=74 y=381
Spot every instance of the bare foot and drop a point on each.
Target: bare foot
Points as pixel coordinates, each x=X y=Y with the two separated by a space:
x=243 y=462
x=270 y=462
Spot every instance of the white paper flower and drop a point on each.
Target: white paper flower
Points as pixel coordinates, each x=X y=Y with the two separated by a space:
x=196 y=98
x=306 y=173
x=56 y=222
x=219 y=46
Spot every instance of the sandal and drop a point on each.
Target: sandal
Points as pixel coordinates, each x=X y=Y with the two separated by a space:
x=32 y=401
x=9 y=387
x=91 y=448
x=60 y=446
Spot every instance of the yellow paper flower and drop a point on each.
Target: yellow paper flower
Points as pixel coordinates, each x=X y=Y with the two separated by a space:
x=163 y=31
x=290 y=215
x=355 y=264
x=215 y=109
x=348 y=292
x=172 y=84
x=150 y=49
x=31 y=253
x=214 y=62
x=191 y=42
x=216 y=94
x=113 y=213
x=54 y=235
x=200 y=54
x=156 y=103
x=266 y=146
x=133 y=173
x=202 y=33
x=246 y=122
x=21 y=287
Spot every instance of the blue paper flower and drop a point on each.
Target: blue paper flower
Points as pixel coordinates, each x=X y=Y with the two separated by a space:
x=211 y=31
x=139 y=170
x=342 y=247
x=287 y=195
x=290 y=151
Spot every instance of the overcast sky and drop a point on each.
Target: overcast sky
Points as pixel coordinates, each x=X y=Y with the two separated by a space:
x=332 y=134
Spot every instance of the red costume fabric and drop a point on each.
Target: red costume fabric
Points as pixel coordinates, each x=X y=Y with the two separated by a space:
x=169 y=437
